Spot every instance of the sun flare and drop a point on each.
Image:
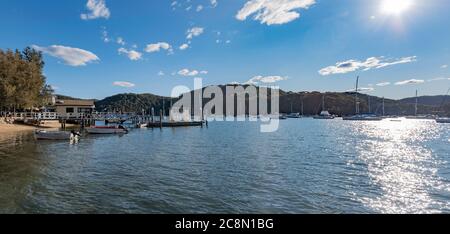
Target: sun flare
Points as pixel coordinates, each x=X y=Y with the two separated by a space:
x=395 y=7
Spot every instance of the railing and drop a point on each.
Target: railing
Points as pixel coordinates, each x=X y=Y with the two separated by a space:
x=35 y=115
x=56 y=116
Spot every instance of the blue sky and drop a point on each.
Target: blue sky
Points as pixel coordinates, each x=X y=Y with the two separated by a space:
x=300 y=45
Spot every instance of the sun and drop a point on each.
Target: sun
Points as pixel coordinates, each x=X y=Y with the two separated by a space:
x=395 y=7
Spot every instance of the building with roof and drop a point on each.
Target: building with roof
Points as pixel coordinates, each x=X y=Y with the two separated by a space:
x=72 y=108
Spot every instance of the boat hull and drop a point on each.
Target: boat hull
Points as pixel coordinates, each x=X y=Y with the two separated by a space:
x=46 y=135
x=324 y=117
x=106 y=131
x=357 y=118
x=443 y=120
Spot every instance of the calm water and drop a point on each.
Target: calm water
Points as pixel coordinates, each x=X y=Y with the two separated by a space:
x=308 y=166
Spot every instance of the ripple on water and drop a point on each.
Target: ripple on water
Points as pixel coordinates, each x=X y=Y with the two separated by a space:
x=307 y=166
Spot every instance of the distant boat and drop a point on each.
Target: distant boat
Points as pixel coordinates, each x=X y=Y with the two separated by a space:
x=294 y=116
x=324 y=114
x=56 y=135
x=115 y=121
x=358 y=116
x=443 y=120
x=416 y=108
x=141 y=125
x=280 y=116
x=429 y=117
x=107 y=130
x=363 y=118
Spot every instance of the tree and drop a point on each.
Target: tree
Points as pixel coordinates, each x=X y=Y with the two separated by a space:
x=22 y=83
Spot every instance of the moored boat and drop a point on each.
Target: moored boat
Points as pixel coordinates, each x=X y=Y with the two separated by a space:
x=294 y=116
x=280 y=117
x=324 y=115
x=56 y=135
x=443 y=120
x=363 y=118
x=107 y=130
x=141 y=125
x=358 y=116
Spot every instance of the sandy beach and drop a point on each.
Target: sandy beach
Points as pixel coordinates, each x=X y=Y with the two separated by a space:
x=11 y=128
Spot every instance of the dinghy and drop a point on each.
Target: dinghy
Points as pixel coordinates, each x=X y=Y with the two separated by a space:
x=56 y=135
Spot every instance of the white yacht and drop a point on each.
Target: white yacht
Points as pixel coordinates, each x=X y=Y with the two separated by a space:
x=358 y=116
x=324 y=114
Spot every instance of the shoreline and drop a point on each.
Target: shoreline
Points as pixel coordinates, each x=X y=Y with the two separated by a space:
x=14 y=128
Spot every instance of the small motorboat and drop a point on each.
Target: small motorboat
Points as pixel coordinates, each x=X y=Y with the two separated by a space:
x=56 y=135
x=443 y=120
x=141 y=125
x=363 y=118
x=280 y=117
x=324 y=115
x=107 y=130
x=294 y=116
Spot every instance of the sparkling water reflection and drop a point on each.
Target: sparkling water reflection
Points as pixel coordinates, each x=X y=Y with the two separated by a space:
x=308 y=166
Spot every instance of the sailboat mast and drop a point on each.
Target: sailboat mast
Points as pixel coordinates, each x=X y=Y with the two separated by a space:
x=356 y=96
x=417 y=103
x=323 y=102
x=302 y=106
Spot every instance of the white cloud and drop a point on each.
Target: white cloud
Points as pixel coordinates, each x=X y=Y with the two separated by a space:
x=382 y=84
x=184 y=46
x=187 y=72
x=265 y=79
x=199 y=8
x=105 y=35
x=71 y=56
x=214 y=3
x=439 y=79
x=161 y=73
x=370 y=63
x=124 y=84
x=131 y=54
x=444 y=66
x=152 y=48
x=194 y=32
x=272 y=12
x=97 y=10
x=121 y=41
x=412 y=81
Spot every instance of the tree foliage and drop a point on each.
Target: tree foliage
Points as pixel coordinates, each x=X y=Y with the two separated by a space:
x=22 y=83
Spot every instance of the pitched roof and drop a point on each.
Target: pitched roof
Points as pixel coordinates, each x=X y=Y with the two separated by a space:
x=89 y=103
